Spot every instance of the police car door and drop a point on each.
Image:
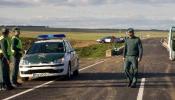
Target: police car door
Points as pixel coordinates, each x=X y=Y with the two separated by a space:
x=71 y=53
x=172 y=43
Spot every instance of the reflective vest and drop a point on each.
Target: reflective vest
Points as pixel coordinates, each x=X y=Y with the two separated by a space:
x=0 y=48
x=8 y=48
x=19 y=45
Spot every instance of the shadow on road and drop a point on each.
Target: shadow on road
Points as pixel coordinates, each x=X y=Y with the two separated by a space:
x=158 y=80
x=156 y=75
x=99 y=76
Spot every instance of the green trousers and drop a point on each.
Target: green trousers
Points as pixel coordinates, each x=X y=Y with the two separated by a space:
x=131 y=68
x=15 y=72
x=1 y=75
x=5 y=72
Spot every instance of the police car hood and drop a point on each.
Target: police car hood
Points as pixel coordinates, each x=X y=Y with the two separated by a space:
x=42 y=57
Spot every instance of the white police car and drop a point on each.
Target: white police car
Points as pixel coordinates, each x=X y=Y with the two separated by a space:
x=51 y=55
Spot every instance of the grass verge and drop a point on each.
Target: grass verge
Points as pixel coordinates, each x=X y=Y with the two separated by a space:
x=96 y=50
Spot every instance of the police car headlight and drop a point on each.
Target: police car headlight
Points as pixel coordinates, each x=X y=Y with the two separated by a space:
x=24 y=62
x=59 y=61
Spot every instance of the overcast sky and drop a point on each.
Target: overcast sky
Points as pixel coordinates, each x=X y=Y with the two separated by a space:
x=144 y=14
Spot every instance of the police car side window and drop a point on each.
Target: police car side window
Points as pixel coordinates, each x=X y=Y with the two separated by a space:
x=67 y=46
x=70 y=46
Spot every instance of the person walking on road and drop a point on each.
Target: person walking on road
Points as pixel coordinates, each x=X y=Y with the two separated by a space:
x=5 y=53
x=132 y=55
x=16 y=48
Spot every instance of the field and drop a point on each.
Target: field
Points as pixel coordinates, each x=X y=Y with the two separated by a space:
x=85 y=43
x=94 y=36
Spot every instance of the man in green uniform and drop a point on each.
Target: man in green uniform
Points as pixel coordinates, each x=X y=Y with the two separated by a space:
x=2 y=87
x=17 y=54
x=132 y=55
x=5 y=58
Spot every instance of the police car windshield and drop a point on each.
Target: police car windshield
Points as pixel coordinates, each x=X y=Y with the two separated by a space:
x=47 y=47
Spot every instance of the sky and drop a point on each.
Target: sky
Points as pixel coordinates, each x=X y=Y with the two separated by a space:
x=140 y=14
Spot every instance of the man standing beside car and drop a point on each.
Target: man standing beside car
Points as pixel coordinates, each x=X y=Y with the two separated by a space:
x=17 y=54
x=132 y=56
x=5 y=54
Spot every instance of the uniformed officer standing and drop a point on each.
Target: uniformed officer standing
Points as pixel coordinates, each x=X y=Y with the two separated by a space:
x=17 y=54
x=132 y=55
x=5 y=58
x=1 y=74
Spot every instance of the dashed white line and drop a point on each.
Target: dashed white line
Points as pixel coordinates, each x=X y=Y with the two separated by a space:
x=141 y=89
x=42 y=85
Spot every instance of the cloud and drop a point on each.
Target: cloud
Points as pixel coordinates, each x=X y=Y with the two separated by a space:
x=105 y=2
x=90 y=22
x=18 y=3
x=89 y=13
x=26 y=3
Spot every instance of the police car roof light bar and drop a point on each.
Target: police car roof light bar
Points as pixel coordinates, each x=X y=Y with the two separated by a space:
x=51 y=36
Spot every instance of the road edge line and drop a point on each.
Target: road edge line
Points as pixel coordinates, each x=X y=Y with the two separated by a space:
x=141 y=89
x=46 y=83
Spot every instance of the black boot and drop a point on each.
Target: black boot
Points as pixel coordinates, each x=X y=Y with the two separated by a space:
x=9 y=87
x=130 y=82
x=133 y=85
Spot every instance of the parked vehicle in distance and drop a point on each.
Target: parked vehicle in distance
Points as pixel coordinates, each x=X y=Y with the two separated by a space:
x=111 y=39
x=107 y=39
x=119 y=40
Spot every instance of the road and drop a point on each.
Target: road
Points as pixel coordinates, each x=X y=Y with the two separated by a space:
x=106 y=81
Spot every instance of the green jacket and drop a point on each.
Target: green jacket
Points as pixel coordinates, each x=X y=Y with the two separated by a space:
x=16 y=46
x=133 y=47
x=5 y=47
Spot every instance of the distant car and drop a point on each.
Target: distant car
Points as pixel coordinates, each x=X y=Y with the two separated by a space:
x=119 y=40
x=107 y=39
x=53 y=56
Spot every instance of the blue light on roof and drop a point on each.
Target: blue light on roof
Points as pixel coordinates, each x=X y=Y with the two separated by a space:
x=51 y=36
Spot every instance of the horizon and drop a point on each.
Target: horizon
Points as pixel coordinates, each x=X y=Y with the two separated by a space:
x=26 y=26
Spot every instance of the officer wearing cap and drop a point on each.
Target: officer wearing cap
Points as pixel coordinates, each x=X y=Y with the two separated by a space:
x=132 y=55
x=16 y=48
x=5 y=52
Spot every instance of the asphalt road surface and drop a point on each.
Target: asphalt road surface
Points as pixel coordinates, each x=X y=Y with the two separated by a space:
x=104 y=80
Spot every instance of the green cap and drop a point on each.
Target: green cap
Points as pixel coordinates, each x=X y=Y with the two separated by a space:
x=5 y=30
x=16 y=29
x=130 y=30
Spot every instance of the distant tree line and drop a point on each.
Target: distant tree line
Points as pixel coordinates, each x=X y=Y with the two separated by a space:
x=51 y=29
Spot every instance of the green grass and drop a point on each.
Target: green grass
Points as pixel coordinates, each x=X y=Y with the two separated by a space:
x=94 y=36
x=27 y=42
x=96 y=50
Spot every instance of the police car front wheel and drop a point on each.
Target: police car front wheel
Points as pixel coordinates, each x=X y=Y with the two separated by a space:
x=76 y=72
x=68 y=75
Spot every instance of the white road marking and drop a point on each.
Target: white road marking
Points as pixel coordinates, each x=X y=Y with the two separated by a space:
x=141 y=89
x=91 y=65
x=21 y=93
x=42 y=85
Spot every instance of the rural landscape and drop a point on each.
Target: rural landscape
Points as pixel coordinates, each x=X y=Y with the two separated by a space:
x=84 y=40
x=87 y=50
x=106 y=74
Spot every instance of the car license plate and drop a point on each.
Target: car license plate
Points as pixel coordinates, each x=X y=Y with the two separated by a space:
x=40 y=75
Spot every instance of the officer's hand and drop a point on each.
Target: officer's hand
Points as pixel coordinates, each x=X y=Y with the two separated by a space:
x=123 y=58
x=8 y=61
x=139 y=59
